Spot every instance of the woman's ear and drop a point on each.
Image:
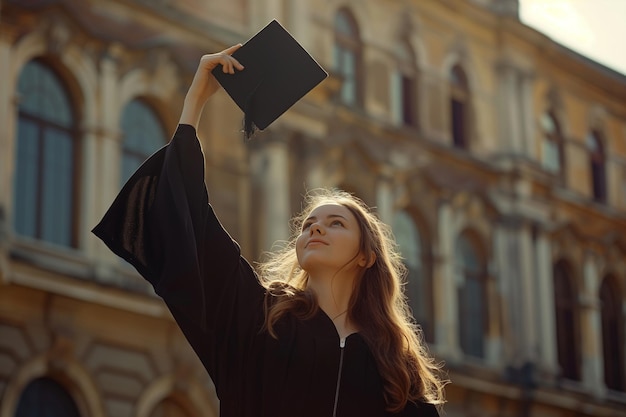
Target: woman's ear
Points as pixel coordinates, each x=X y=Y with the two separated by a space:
x=367 y=262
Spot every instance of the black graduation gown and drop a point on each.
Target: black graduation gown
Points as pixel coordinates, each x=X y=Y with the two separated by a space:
x=162 y=223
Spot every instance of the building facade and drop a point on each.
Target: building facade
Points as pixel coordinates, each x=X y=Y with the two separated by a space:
x=497 y=155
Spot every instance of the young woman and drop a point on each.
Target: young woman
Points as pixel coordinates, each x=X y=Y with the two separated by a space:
x=322 y=328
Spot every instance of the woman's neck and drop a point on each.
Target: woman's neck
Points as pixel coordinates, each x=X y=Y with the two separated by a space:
x=333 y=297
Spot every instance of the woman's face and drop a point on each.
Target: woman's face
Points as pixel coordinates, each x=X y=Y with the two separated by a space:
x=330 y=239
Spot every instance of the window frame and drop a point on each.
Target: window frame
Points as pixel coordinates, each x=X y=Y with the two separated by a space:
x=44 y=126
x=348 y=45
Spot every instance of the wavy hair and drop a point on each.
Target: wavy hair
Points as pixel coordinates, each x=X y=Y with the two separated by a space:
x=377 y=305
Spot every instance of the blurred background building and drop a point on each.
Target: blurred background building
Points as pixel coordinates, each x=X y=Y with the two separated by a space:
x=498 y=156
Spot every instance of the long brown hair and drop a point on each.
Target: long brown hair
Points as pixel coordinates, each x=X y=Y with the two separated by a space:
x=377 y=306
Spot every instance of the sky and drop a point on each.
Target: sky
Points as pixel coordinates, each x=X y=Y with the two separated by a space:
x=594 y=28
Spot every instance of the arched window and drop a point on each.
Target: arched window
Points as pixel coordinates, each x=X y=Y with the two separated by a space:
x=597 y=161
x=459 y=107
x=419 y=284
x=404 y=87
x=566 y=312
x=552 y=152
x=143 y=135
x=612 y=335
x=45 y=176
x=472 y=296
x=347 y=57
x=46 y=397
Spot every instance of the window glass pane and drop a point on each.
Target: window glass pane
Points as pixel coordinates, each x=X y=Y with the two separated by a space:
x=344 y=24
x=396 y=95
x=458 y=78
x=143 y=135
x=57 y=188
x=458 y=116
x=26 y=181
x=612 y=336
x=551 y=155
x=566 y=322
x=547 y=124
x=41 y=93
x=466 y=254
x=45 y=397
x=472 y=323
x=346 y=52
x=408 y=239
x=471 y=298
x=592 y=144
x=408 y=101
x=348 y=90
x=418 y=288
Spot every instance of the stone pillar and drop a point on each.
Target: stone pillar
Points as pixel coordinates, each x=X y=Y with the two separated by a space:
x=444 y=288
x=516 y=274
x=102 y=141
x=7 y=118
x=385 y=199
x=544 y=294
x=263 y=11
x=591 y=330
x=316 y=164
x=271 y=168
x=8 y=135
x=298 y=18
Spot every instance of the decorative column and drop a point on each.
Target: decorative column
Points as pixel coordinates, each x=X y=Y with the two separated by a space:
x=385 y=198
x=8 y=136
x=515 y=259
x=591 y=330
x=544 y=294
x=102 y=139
x=298 y=18
x=444 y=288
x=8 y=83
x=270 y=168
x=262 y=11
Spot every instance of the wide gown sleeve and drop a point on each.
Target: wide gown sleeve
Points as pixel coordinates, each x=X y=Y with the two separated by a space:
x=162 y=223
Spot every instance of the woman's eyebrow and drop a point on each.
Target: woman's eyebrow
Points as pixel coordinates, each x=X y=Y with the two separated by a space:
x=328 y=217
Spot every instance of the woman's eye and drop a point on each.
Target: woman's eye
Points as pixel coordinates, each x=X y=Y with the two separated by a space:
x=306 y=226
x=336 y=222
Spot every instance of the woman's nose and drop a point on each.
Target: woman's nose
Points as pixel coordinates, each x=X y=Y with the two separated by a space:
x=316 y=228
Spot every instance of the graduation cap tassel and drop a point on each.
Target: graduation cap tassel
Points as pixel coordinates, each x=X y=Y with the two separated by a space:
x=249 y=128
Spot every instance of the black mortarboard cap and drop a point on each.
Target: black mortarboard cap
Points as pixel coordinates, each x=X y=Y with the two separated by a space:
x=277 y=72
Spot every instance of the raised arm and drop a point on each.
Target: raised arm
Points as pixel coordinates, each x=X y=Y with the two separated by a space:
x=162 y=223
x=204 y=84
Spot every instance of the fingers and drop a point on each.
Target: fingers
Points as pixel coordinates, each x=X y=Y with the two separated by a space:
x=232 y=49
x=229 y=63
x=225 y=59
